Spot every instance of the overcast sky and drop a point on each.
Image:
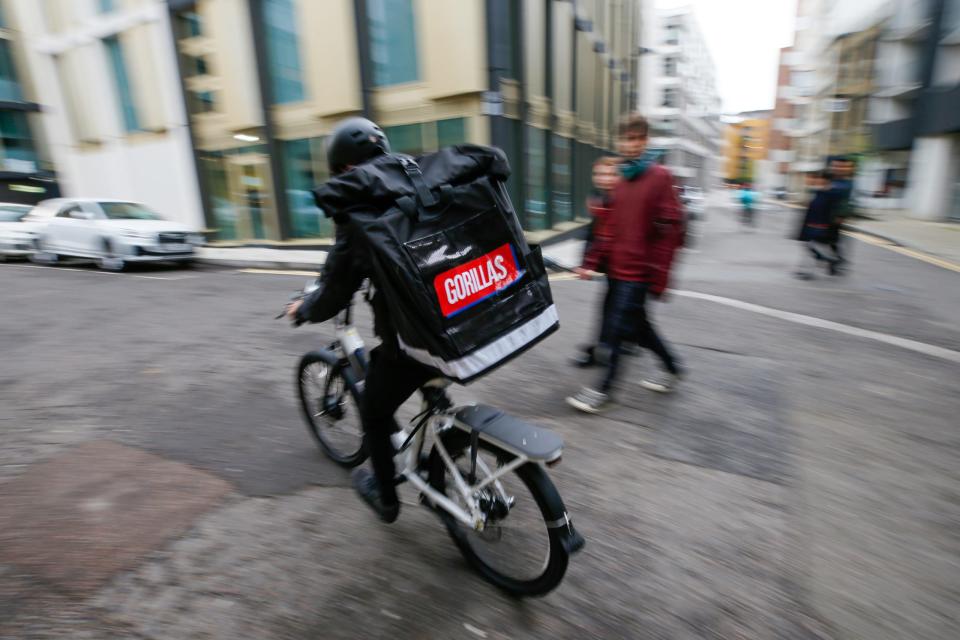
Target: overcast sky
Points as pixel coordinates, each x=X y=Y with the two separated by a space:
x=744 y=38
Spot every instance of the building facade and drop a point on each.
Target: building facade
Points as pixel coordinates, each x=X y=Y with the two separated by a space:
x=781 y=152
x=880 y=80
x=845 y=99
x=679 y=95
x=215 y=112
x=745 y=146
x=915 y=111
x=26 y=174
x=114 y=122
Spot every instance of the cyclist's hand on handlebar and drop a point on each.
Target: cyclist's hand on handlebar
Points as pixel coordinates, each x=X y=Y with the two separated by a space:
x=290 y=311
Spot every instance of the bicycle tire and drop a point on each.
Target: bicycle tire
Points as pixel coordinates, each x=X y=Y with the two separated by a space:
x=547 y=500
x=315 y=423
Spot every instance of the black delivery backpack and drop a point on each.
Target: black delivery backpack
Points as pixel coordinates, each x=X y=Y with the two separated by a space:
x=464 y=290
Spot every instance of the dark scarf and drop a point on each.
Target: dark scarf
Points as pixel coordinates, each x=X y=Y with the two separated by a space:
x=633 y=169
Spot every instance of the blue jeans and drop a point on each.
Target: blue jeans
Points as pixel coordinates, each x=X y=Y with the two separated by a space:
x=626 y=319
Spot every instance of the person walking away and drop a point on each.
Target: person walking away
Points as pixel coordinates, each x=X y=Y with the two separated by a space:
x=841 y=171
x=606 y=174
x=747 y=200
x=647 y=227
x=815 y=230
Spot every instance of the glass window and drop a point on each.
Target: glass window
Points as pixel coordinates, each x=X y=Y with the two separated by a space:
x=451 y=132
x=562 y=182
x=15 y=137
x=670 y=97
x=670 y=67
x=673 y=34
x=13 y=212
x=200 y=67
x=106 y=6
x=393 y=41
x=188 y=25
x=406 y=138
x=202 y=102
x=3 y=18
x=122 y=82
x=283 y=52
x=127 y=211
x=9 y=87
x=305 y=167
x=214 y=172
x=536 y=196
x=665 y=127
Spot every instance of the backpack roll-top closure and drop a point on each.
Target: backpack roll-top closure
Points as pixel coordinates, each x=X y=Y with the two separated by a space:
x=384 y=180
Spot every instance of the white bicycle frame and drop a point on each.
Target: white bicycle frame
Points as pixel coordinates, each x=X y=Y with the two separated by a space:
x=408 y=458
x=409 y=461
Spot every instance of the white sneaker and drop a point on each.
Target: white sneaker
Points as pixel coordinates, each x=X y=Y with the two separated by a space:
x=589 y=401
x=663 y=384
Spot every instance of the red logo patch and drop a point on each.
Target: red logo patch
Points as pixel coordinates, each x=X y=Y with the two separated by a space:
x=469 y=283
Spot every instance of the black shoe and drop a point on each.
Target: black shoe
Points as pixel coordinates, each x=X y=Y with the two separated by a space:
x=369 y=489
x=584 y=358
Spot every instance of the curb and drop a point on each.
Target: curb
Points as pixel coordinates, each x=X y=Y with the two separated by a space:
x=880 y=236
x=577 y=231
x=261 y=264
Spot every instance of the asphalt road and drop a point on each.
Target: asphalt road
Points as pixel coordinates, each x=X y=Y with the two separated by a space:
x=803 y=483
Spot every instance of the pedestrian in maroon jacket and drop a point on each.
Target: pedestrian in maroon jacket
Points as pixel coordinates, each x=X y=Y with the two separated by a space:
x=646 y=226
x=606 y=175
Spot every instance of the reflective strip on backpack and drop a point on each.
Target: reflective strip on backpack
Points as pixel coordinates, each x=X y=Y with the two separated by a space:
x=485 y=357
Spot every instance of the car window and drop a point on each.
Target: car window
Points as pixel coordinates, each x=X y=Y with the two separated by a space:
x=13 y=213
x=127 y=211
x=68 y=211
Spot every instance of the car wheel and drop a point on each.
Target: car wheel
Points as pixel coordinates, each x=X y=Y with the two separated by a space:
x=109 y=261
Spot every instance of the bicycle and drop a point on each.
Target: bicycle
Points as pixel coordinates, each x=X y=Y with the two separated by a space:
x=485 y=473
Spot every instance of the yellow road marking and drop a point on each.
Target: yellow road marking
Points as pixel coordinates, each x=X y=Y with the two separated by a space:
x=912 y=253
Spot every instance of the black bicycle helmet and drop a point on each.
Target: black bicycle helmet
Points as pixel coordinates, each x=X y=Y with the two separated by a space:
x=354 y=141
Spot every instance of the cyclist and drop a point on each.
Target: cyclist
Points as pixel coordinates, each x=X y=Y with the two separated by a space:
x=392 y=377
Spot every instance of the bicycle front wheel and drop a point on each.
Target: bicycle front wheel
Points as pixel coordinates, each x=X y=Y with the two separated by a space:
x=331 y=406
x=519 y=550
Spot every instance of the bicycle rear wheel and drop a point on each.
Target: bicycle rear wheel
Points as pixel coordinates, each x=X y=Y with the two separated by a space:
x=520 y=549
x=331 y=406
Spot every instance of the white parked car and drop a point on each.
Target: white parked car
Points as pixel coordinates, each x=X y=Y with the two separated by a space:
x=113 y=232
x=17 y=237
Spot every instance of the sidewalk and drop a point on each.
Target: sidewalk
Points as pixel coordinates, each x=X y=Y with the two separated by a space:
x=564 y=235
x=262 y=258
x=940 y=239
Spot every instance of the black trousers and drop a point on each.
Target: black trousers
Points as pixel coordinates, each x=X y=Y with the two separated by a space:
x=391 y=379
x=627 y=319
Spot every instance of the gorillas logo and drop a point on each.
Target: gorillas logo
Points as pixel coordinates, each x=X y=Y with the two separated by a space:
x=469 y=283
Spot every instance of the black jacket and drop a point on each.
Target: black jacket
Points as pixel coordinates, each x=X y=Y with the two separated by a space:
x=818 y=217
x=347 y=266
